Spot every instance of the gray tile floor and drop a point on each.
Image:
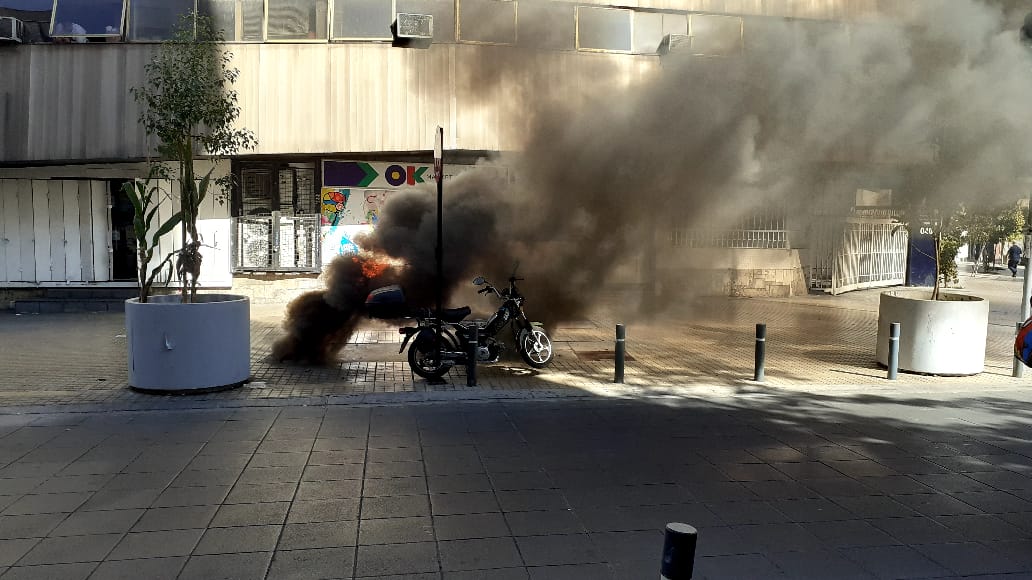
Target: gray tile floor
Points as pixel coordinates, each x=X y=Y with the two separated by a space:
x=796 y=485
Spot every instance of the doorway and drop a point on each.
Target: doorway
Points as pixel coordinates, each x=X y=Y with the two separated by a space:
x=123 y=242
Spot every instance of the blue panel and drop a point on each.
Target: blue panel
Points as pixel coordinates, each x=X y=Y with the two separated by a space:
x=921 y=262
x=88 y=18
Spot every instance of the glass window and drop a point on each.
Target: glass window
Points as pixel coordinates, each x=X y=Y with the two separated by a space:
x=297 y=20
x=155 y=19
x=88 y=18
x=648 y=32
x=240 y=20
x=443 y=12
x=547 y=25
x=675 y=24
x=603 y=29
x=488 y=21
x=715 y=35
x=29 y=5
x=363 y=19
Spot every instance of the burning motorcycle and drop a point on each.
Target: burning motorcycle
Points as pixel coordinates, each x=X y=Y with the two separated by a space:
x=431 y=358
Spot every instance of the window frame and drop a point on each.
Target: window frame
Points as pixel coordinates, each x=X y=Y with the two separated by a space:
x=332 y=15
x=741 y=34
x=515 y=25
x=264 y=5
x=128 y=19
x=630 y=24
x=326 y=39
x=122 y=25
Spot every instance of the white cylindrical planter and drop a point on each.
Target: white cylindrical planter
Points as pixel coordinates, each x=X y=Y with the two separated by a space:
x=938 y=337
x=176 y=347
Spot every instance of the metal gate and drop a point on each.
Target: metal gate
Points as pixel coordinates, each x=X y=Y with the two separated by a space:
x=277 y=243
x=872 y=254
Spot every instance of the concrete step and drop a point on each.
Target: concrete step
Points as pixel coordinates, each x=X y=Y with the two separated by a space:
x=90 y=293
x=61 y=305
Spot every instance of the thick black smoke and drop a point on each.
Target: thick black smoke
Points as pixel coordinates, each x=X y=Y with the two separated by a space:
x=623 y=149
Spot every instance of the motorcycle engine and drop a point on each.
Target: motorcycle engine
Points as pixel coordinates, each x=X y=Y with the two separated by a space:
x=489 y=351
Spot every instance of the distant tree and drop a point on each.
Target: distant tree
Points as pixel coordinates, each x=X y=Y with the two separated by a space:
x=990 y=225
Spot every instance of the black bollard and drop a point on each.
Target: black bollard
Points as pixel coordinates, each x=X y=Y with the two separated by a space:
x=621 y=352
x=761 y=352
x=893 y=350
x=678 y=552
x=471 y=365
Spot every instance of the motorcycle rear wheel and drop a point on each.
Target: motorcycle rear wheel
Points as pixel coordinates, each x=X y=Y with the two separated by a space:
x=426 y=363
x=536 y=348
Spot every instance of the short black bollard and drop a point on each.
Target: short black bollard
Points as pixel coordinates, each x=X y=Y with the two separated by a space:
x=678 y=552
x=621 y=352
x=471 y=365
x=893 y=350
x=761 y=352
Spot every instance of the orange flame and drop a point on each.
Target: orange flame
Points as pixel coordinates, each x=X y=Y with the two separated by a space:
x=370 y=269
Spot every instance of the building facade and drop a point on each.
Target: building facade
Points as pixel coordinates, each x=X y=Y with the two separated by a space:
x=344 y=109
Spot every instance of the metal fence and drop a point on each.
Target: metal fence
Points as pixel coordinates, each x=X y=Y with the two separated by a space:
x=277 y=243
x=761 y=230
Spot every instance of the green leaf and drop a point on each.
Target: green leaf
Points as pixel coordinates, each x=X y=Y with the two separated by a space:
x=167 y=227
x=129 y=188
x=150 y=217
x=202 y=188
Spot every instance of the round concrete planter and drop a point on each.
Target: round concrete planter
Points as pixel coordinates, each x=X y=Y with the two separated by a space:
x=937 y=337
x=176 y=347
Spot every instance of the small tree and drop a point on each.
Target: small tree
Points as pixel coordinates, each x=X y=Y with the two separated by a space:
x=145 y=197
x=989 y=225
x=189 y=107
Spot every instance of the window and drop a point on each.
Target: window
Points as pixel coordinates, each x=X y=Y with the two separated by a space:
x=714 y=35
x=648 y=32
x=606 y=29
x=297 y=20
x=675 y=24
x=240 y=20
x=369 y=19
x=443 y=12
x=547 y=25
x=487 y=21
x=156 y=19
x=83 y=18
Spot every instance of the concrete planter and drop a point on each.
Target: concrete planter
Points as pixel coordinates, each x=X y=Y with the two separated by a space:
x=176 y=347
x=938 y=337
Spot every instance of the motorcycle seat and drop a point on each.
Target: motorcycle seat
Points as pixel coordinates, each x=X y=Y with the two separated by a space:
x=455 y=314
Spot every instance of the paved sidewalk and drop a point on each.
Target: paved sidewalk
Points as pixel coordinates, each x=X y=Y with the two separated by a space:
x=795 y=485
x=706 y=343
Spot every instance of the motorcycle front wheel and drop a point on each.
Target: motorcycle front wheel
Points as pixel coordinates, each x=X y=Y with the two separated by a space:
x=536 y=348
x=425 y=362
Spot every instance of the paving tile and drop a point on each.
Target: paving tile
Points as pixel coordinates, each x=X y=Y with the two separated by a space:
x=477 y=554
x=970 y=558
x=326 y=510
x=121 y=499
x=558 y=549
x=532 y=500
x=206 y=477
x=572 y=572
x=175 y=518
x=459 y=483
x=818 y=565
x=895 y=562
x=776 y=538
x=983 y=528
x=261 y=493
x=313 y=564
x=332 y=472
x=747 y=512
x=156 y=544
x=51 y=572
x=29 y=526
x=73 y=483
x=468 y=526
x=192 y=496
x=874 y=506
x=522 y=480
x=401 y=559
x=260 y=475
x=150 y=568
x=238 y=539
x=736 y=566
x=337 y=457
x=291 y=459
x=253 y=514
x=395 y=530
x=12 y=550
x=811 y=510
x=70 y=549
x=318 y=535
x=98 y=522
x=493 y=574
x=395 y=507
x=316 y=490
x=446 y=504
x=395 y=469
x=47 y=503
x=937 y=504
x=630 y=546
x=541 y=523
x=227 y=566
x=849 y=533
x=994 y=502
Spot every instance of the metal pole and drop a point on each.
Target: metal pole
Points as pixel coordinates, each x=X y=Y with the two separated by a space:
x=678 y=552
x=893 y=350
x=471 y=365
x=1018 y=370
x=439 y=174
x=1026 y=288
x=621 y=352
x=761 y=352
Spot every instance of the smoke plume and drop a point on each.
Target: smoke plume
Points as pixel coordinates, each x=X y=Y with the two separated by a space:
x=935 y=106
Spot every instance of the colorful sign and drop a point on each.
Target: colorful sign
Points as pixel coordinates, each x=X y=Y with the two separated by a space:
x=334 y=203
x=340 y=241
x=373 y=175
